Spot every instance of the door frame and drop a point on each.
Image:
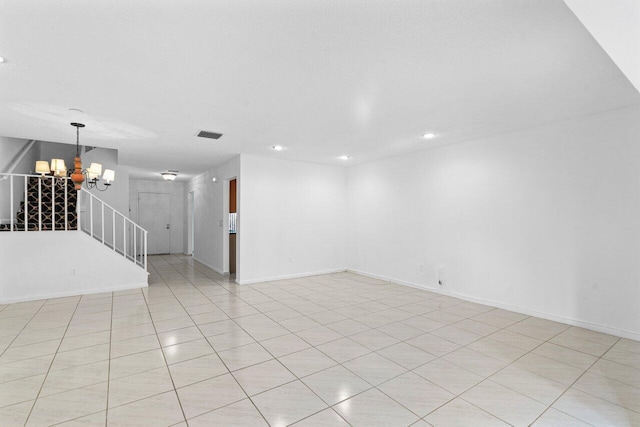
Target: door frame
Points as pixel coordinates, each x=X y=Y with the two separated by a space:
x=191 y=222
x=226 y=191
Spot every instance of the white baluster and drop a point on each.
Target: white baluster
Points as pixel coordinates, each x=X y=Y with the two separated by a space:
x=53 y=204
x=66 y=206
x=91 y=213
x=40 y=204
x=13 y=212
x=102 y=222
x=135 y=244
x=78 y=210
x=145 y=249
x=26 y=205
x=124 y=237
x=113 y=230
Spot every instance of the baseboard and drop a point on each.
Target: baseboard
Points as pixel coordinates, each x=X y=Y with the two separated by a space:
x=290 y=276
x=207 y=265
x=550 y=316
x=73 y=293
x=389 y=279
x=523 y=310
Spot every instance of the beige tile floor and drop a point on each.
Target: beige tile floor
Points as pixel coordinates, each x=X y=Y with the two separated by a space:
x=333 y=350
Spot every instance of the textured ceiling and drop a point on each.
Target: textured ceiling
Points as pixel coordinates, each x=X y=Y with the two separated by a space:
x=325 y=78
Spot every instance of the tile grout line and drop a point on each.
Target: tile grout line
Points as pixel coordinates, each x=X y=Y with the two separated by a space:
x=578 y=379
x=108 y=376
x=122 y=377
x=296 y=378
x=509 y=364
x=224 y=363
x=515 y=391
x=23 y=328
x=308 y=315
x=175 y=390
x=305 y=376
x=35 y=401
x=106 y=415
x=341 y=364
x=215 y=351
x=273 y=358
x=548 y=341
x=404 y=341
x=360 y=356
x=439 y=358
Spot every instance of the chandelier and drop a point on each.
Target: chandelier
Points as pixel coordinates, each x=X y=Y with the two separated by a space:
x=92 y=174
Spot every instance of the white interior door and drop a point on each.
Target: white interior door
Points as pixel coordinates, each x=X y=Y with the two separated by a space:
x=154 y=215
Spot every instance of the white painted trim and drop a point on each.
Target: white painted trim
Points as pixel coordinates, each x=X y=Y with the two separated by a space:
x=74 y=293
x=399 y=282
x=217 y=270
x=290 y=276
x=561 y=319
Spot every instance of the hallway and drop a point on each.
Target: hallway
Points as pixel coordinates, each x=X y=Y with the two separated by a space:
x=338 y=349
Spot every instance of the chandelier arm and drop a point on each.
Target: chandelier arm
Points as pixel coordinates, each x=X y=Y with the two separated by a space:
x=94 y=183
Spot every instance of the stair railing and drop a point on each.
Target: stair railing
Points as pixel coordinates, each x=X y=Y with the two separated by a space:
x=18 y=187
x=82 y=211
x=112 y=228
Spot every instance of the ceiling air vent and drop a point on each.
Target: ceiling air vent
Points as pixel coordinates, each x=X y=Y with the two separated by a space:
x=208 y=134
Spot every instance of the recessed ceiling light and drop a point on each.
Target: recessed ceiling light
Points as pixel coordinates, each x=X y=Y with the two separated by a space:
x=278 y=147
x=2 y=60
x=429 y=135
x=344 y=157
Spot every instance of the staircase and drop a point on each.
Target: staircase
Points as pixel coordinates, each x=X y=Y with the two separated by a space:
x=46 y=203
x=50 y=204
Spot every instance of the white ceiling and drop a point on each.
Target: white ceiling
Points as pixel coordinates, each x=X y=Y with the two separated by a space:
x=615 y=24
x=323 y=78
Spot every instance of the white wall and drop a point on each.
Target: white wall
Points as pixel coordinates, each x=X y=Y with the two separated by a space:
x=292 y=219
x=545 y=220
x=118 y=193
x=10 y=150
x=69 y=263
x=55 y=150
x=176 y=192
x=211 y=204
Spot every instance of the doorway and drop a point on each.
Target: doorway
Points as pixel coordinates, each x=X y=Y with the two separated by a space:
x=154 y=215
x=233 y=215
x=190 y=223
